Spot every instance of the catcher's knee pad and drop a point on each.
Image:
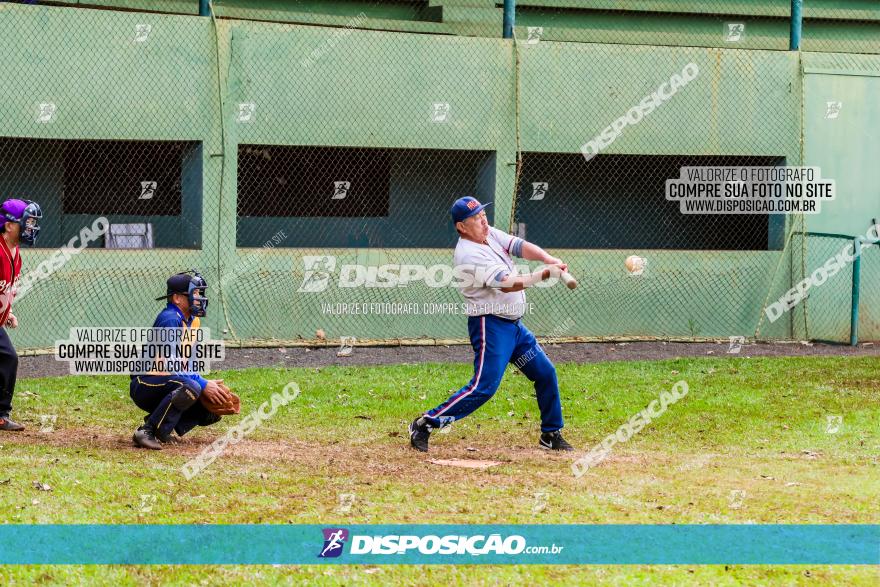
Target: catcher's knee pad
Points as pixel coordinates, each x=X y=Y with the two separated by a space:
x=186 y=394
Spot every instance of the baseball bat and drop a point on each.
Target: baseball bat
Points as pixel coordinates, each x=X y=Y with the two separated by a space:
x=568 y=279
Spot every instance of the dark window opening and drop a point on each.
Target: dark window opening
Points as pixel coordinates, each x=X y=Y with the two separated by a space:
x=356 y=197
x=333 y=182
x=150 y=191
x=618 y=202
x=146 y=181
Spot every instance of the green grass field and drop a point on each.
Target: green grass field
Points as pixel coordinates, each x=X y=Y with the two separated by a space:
x=749 y=443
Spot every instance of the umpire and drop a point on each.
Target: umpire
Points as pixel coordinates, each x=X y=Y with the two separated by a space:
x=21 y=225
x=172 y=399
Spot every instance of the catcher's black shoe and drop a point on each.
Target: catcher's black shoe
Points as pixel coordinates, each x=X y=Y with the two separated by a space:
x=554 y=441
x=10 y=425
x=419 y=432
x=170 y=438
x=145 y=437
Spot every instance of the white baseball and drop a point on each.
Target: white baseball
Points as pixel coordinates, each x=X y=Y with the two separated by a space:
x=635 y=264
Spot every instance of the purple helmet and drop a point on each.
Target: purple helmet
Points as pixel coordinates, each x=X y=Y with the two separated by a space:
x=27 y=214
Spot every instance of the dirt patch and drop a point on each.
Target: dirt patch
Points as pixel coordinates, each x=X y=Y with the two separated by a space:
x=237 y=358
x=366 y=460
x=95 y=438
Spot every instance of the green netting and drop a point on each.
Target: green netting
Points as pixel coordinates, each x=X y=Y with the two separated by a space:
x=286 y=160
x=836 y=291
x=841 y=27
x=869 y=299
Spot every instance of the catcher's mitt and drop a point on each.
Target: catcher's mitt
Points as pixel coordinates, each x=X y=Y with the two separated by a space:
x=226 y=409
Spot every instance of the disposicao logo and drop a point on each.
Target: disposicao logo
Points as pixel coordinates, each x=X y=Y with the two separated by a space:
x=334 y=540
x=449 y=545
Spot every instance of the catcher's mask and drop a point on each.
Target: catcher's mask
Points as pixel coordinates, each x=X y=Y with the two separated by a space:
x=192 y=285
x=27 y=214
x=198 y=302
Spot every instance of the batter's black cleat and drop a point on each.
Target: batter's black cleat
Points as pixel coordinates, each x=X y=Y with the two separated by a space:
x=419 y=432
x=145 y=437
x=10 y=425
x=554 y=441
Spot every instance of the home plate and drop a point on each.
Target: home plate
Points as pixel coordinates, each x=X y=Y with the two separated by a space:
x=465 y=463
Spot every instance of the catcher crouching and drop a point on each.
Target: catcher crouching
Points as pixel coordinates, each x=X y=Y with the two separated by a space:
x=178 y=402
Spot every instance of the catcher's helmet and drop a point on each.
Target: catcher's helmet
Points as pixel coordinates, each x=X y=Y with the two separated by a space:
x=27 y=214
x=188 y=283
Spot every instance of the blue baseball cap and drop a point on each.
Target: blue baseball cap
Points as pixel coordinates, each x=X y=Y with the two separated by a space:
x=177 y=284
x=465 y=207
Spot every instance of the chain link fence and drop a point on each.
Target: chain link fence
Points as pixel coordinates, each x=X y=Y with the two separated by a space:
x=307 y=171
x=841 y=27
x=869 y=295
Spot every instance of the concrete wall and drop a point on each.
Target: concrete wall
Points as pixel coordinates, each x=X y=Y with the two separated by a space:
x=843 y=142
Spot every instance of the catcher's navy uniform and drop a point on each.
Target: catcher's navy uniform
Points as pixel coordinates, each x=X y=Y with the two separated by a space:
x=172 y=398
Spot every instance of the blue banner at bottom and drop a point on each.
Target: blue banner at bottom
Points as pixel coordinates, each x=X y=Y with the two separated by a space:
x=440 y=544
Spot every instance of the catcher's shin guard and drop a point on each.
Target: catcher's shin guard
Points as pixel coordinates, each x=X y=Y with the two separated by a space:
x=183 y=397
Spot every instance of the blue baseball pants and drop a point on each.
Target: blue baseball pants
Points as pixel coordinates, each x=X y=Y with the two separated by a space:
x=497 y=342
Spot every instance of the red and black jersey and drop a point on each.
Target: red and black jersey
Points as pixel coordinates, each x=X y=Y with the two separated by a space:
x=10 y=268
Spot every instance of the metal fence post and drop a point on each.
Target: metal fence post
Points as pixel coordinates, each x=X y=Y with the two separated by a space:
x=509 y=18
x=856 y=285
x=794 y=40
